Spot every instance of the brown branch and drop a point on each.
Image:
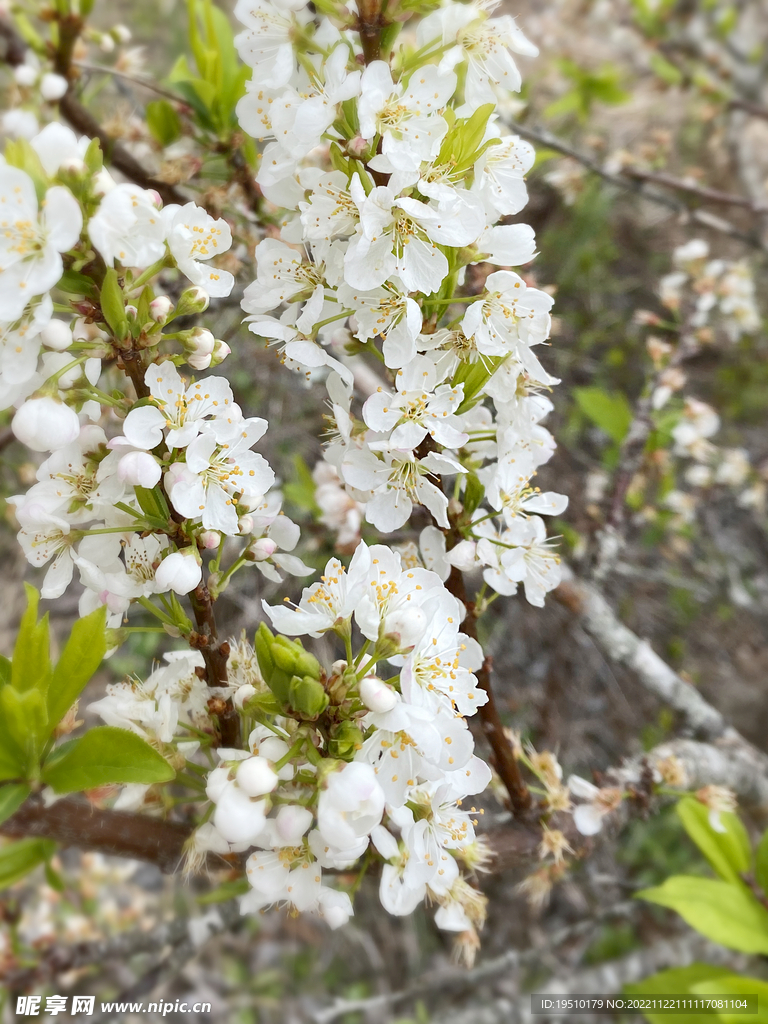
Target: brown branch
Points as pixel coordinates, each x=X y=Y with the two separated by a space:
x=74 y=822
x=503 y=760
x=13 y=51
x=369 y=26
x=750 y=108
x=624 y=181
x=710 y=195
x=206 y=638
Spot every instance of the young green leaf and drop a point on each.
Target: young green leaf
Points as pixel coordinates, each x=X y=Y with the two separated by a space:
x=113 y=304
x=31 y=665
x=728 y=852
x=722 y=912
x=102 y=756
x=677 y=981
x=735 y=985
x=611 y=412
x=12 y=797
x=163 y=121
x=18 y=859
x=761 y=862
x=80 y=658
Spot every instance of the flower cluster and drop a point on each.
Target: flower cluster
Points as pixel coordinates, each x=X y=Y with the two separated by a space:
x=373 y=253
x=132 y=511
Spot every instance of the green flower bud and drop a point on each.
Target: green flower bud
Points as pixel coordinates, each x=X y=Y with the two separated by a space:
x=284 y=657
x=262 y=643
x=346 y=739
x=307 y=697
x=308 y=665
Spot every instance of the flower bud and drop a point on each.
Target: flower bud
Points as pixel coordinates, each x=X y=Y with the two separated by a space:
x=122 y=33
x=208 y=539
x=200 y=342
x=220 y=352
x=242 y=695
x=56 y=335
x=45 y=424
x=139 y=469
x=237 y=818
x=245 y=525
x=307 y=697
x=346 y=739
x=160 y=308
x=357 y=146
x=192 y=300
x=53 y=87
x=376 y=695
x=405 y=626
x=260 y=550
x=106 y=43
x=25 y=75
x=291 y=823
x=180 y=572
x=198 y=362
x=255 y=777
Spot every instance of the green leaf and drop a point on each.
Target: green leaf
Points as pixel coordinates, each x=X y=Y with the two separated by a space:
x=5 y=670
x=226 y=891
x=152 y=502
x=474 y=377
x=474 y=492
x=19 y=858
x=31 y=665
x=609 y=411
x=25 y=716
x=105 y=755
x=736 y=985
x=13 y=764
x=11 y=799
x=666 y=71
x=113 y=304
x=722 y=912
x=80 y=658
x=301 y=491
x=676 y=981
x=728 y=852
x=163 y=121
x=761 y=862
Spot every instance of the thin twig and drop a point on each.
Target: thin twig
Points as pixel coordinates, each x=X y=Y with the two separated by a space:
x=145 y=83
x=623 y=181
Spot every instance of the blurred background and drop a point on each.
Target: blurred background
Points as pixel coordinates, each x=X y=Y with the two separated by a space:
x=650 y=121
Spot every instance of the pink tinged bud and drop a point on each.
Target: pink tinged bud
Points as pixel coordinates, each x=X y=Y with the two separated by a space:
x=56 y=335
x=160 y=308
x=157 y=199
x=406 y=626
x=291 y=823
x=255 y=777
x=209 y=539
x=139 y=469
x=220 y=353
x=357 y=146
x=376 y=695
x=45 y=424
x=53 y=87
x=131 y=312
x=262 y=549
x=179 y=572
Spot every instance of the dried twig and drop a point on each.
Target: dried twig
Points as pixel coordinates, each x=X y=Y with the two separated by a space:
x=623 y=181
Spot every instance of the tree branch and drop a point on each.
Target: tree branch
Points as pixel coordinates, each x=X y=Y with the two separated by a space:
x=624 y=181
